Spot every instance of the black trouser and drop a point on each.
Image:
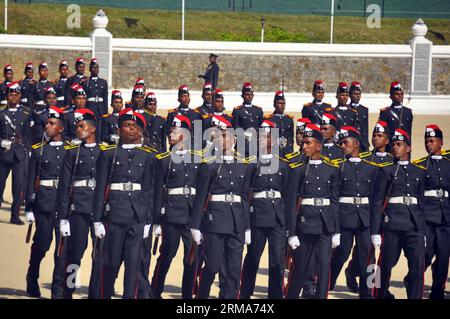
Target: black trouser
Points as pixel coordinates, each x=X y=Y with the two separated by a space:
x=223 y=249
x=43 y=236
x=169 y=247
x=19 y=170
x=277 y=245
x=413 y=244
x=342 y=252
x=122 y=243
x=145 y=289
x=438 y=244
x=222 y=275
x=313 y=249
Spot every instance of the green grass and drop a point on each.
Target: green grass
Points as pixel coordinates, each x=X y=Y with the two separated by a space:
x=50 y=19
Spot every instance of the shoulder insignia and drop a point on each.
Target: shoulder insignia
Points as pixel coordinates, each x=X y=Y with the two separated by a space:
x=326 y=158
x=205 y=116
x=385 y=164
x=107 y=147
x=241 y=160
x=38 y=145
x=197 y=152
x=162 y=155
x=268 y=116
x=289 y=116
x=308 y=104
x=247 y=159
x=328 y=109
x=419 y=166
x=292 y=155
x=370 y=162
x=106 y=115
x=284 y=159
x=147 y=149
x=417 y=161
x=71 y=146
x=296 y=164
x=208 y=159
x=333 y=164
x=337 y=161
x=446 y=152
x=172 y=110
x=365 y=154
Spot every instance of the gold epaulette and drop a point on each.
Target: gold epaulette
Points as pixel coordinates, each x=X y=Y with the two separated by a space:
x=241 y=160
x=290 y=116
x=208 y=159
x=147 y=149
x=419 y=166
x=370 y=162
x=205 y=116
x=296 y=164
x=71 y=146
x=268 y=116
x=293 y=154
x=248 y=159
x=365 y=154
x=162 y=155
x=172 y=110
x=197 y=152
x=284 y=159
x=334 y=164
x=417 y=161
x=446 y=152
x=328 y=109
x=38 y=145
x=106 y=115
x=308 y=104
x=337 y=161
x=107 y=147
x=326 y=158
x=385 y=164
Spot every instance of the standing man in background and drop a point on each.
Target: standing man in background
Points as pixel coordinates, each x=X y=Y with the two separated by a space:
x=212 y=71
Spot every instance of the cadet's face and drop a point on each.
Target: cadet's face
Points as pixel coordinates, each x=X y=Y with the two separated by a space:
x=265 y=139
x=117 y=105
x=139 y=100
x=355 y=96
x=433 y=145
x=130 y=132
x=318 y=95
x=152 y=106
x=342 y=98
x=80 y=68
x=85 y=129
x=9 y=76
x=177 y=135
x=328 y=131
x=379 y=140
x=349 y=145
x=53 y=127
x=51 y=99
x=224 y=139
x=400 y=149
x=94 y=70
x=280 y=106
x=218 y=105
x=298 y=137
x=311 y=146
x=43 y=73
x=207 y=97
x=79 y=101
x=248 y=97
x=64 y=71
x=397 y=97
x=29 y=74
x=14 y=97
x=212 y=59
x=184 y=99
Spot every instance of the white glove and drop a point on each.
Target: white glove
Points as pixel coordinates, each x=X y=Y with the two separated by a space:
x=114 y=138
x=99 y=230
x=248 y=237
x=147 y=230
x=29 y=217
x=6 y=144
x=64 y=227
x=335 y=240
x=376 y=241
x=294 y=242
x=197 y=236
x=157 y=230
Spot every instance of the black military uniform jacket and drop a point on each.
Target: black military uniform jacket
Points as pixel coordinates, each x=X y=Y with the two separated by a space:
x=39 y=91
x=27 y=88
x=409 y=181
x=15 y=127
x=314 y=111
x=436 y=209
x=77 y=78
x=345 y=116
x=233 y=178
x=60 y=89
x=109 y=127
x=212 y=74
x=380 y=157
x=97 y=89
x=156 y=131
x=38 y=121
x=81 y=199
x=247 y=116
x=70 y=124
x=188 y=112
x=132 y=165
x=208 y=120
x=3 y=88
x=46 y=163
x=357 y=179
x=396 y=118
x=285 y=125
x=204 y=109
x=332 y=152
x=362 y=123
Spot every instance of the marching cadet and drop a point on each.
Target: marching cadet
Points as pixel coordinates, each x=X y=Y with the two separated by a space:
x=436 y=209
x=247 y=115
x=27 y=86
x=208 y=97
x=345 y=116
x=298 y=155
x=284 y=123
x=212 y=71
x=313 y=226
x=109 y=123
x=356 y=189
x=175 y=190
x=78 y=78
x=137 y=98
x=221 y=202
x=218 y=115
x=330 y=150
x=362 y=112
x=96 y=92
x=124 y=204
x=15 y=144
x=41 y=86
x=267 y=216
x=39 y=116
x=76 y=189
x=314 y=110
x=9 y=74
x=397 y=115
x=60 y=86
x=156 y=128
x=78 y=102
x=41 y=198
x=398 y=214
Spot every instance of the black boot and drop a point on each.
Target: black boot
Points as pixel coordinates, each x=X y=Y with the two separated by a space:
x=351 y=282
x=33 y=287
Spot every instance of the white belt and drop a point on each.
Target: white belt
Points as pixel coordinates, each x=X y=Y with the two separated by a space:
x=3 y=102
x=125 y=187
x=439 y=193
x=354 y=200
x=181 y=191
x=408 y=200
x=84 y=183
x=49 y=183
x=267 y=194
x=24 y=100
x=316 y=201
x=229 y=198
x=60 y=98
x=95 y=99
x=40 y=103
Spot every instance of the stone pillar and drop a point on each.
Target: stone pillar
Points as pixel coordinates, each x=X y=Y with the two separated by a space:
x=421 y=65
x=102 y=46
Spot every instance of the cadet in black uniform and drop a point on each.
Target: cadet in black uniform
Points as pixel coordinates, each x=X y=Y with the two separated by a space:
x=362 y=112
x=60 y=84
x=137 y=98
x=212 y=71
x=9 y=74
x=221 y=202
x=41 y=197
x=123 y=209
x=284 y=123
x=27 y=86
x=15 y=146
x=156 y=128
x=330 y=150
x=356 y=189
x=39 y=116
x=218 y=115
x=298 y=155
x=345 y=115
x=41 y=86
x=313 y=226
x=267 y=218
x=78 y=78
x=109 y=122
x=76 y=191
x=397 y=115
x=314 y=110
x=247 y=115
x=175 y=190
x=436 y=209
x=207 y=95
x=78 y=102
x=398 y=214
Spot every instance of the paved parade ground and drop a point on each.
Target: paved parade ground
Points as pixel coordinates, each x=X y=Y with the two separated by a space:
x=15 y=253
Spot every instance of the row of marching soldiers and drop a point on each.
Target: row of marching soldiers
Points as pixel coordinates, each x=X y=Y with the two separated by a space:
x=217 y=201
